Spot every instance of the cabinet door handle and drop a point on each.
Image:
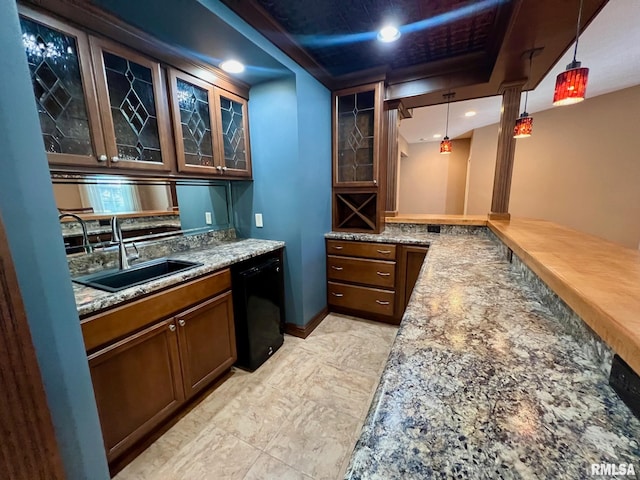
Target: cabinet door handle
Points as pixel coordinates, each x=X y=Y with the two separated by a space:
x=337 y=294
x=383 y=274
x=102 y=158
x=336 y=268
x=181 y=322
x=219 y=168
x=380 y=302
x=224 y=169
x=338 y=247
x=172 y=327
x=115 y=159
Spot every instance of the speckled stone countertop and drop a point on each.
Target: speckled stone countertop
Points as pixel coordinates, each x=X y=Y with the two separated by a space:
x=484 y=382
x=215 y=257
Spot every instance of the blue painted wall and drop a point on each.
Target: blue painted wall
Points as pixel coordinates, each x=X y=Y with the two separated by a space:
x=27 y=208
x=196 y=200
x=274 y=152
x=295 y=186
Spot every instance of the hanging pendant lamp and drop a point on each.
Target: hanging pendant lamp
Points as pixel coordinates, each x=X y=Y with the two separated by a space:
x=445 y=144
x=571 y=85
x=524 y=124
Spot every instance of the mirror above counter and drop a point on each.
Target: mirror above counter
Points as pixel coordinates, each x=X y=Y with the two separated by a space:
x=146 y=208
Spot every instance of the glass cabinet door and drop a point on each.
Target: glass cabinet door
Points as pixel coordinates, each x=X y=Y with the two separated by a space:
x=234 y=126
x=194 y=124
x=58 y=57
x=356 y=137
x=131 y=92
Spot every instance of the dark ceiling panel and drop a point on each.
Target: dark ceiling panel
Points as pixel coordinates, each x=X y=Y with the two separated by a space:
x=338 y=34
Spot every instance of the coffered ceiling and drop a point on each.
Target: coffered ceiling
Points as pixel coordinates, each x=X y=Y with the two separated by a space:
x=468 y=45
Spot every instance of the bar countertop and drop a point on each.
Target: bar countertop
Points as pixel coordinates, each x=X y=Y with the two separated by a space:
x=483 y=380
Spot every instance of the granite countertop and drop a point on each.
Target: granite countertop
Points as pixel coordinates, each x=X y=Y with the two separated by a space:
x=483 y=382
x=221 y=255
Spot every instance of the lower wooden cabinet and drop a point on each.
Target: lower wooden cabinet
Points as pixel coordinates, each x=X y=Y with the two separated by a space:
x=137 y=384
x=204 y=334
x=140 y=379
x=372 y=280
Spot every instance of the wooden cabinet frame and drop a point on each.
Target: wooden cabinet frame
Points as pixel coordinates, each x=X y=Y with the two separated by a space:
x=228 y=171
x=377 y=128
x=183 y=166
x=108 y=398
x=90 y=94
x=98 y=46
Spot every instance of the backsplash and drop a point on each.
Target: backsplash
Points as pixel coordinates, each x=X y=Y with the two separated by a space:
x=81 y=264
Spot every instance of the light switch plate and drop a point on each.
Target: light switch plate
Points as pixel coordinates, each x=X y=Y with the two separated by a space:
x=207 y=218
x=259 y=220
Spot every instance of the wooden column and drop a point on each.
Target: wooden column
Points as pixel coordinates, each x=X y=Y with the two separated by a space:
x=506 y=149
x=394 y=113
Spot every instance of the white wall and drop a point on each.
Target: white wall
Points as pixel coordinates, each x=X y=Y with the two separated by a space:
x=580 y=168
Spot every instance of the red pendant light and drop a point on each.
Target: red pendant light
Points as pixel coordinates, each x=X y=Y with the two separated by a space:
x=524 y=124
x=445 y=145
x=571 y=85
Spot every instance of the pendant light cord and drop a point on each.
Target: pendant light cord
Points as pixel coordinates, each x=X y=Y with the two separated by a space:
x=575 y=50
x=526 y=93
x=446 y=130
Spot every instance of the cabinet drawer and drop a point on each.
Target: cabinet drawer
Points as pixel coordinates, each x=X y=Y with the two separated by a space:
x=372 y=300
x=362 y=270
x=383 y=251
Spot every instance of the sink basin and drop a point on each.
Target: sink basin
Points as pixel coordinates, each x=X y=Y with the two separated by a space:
x=115 y=280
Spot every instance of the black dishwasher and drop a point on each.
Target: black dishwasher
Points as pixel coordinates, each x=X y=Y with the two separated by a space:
x=258 y=293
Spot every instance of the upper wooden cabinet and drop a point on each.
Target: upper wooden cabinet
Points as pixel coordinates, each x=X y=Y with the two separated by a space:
x=103 y=105
x=60 y=67
x=210 y=127
x=234 y=125
x=133 y=103
x=356 y=135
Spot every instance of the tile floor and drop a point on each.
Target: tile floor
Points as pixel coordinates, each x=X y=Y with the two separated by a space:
x=297 y=417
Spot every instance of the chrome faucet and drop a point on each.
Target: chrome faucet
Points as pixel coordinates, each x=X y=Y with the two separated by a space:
x=116 y=238
x=85 y=237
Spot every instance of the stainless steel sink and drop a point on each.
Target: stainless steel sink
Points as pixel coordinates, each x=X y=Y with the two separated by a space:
x=115 y=280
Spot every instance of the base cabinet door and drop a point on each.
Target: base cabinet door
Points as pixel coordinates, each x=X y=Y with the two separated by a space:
x=137 y=384
x=206 y=336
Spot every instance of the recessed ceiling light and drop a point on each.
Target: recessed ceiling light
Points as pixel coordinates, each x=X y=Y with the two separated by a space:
x=470 y=113
x=388 y=33
x=232 y=66
x=437 y=135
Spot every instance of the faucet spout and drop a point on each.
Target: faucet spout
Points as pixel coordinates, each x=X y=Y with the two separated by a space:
x=116 y=238
x=85 y=237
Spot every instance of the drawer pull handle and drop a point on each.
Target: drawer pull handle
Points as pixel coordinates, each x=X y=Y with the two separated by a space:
x=336 y=268
x=338 y=247
x=337 y=294
x=383 y=274
x=380 y=302
x=384 y=252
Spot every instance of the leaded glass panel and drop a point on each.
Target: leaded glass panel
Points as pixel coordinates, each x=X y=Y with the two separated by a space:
x=57 y=84
x=235 y=155
x=133 y=109
x=195 y=119
x=355 y=137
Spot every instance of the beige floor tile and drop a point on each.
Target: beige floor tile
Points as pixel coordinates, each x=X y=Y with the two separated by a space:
x=212 y=454
x=342 y=389
x=269 y=468
x=315 y=440
x=256 y=414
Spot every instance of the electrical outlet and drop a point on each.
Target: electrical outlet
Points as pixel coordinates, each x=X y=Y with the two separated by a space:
x=207 y=218
x=259 y=220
